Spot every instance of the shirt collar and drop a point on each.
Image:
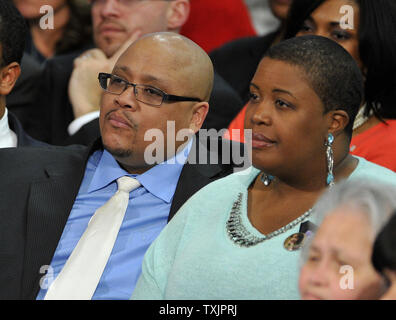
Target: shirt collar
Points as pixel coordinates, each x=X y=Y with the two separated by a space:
x=7 y=136
x=107 y=171
x=161 y=180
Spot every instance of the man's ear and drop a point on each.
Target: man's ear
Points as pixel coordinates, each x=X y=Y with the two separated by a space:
x=199 y=112
x=338 y=120
x=177 y=14
x=8 y=76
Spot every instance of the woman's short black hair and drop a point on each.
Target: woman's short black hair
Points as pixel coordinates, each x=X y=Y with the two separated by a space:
x=377 y=48
x=331 y=71
x=13 y=33
x=384 y=250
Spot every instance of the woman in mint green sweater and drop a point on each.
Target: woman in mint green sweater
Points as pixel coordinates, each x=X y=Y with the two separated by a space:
x=230 y=240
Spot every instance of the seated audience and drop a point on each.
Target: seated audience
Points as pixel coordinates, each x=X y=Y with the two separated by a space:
x=228 y=241
x=384 y=258
x=71 y=29
x=370 y=43
x=12 y=41
x=213 y=23
x=51 y=207
x=337 y=259
x=70 y=91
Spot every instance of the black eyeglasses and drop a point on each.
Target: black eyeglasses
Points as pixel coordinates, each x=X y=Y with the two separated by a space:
x=143 y=93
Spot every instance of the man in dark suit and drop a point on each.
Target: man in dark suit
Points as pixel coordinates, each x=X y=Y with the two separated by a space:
x=51 y=194
x=69 y=95
x=12 y=40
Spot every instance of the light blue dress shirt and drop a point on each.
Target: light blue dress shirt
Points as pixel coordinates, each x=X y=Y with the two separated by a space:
x=146 y=216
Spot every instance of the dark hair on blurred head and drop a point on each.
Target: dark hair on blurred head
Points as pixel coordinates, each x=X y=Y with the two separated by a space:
x=377 y=48
x=299 y=11
x=13 y=33
x=331 y=71
x=384 y=249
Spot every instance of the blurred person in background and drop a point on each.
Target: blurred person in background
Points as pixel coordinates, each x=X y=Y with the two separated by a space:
x=384 y=257
x=71 y=29
x=337 y=260
x=263 y=19
x=71 y=32
x=69 y=96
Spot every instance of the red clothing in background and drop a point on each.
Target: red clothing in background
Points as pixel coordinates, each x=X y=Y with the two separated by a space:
x=377 y=144
x=214 y=22
x=237 y=123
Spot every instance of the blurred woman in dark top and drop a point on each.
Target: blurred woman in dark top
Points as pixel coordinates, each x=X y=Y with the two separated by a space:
x=71 y=27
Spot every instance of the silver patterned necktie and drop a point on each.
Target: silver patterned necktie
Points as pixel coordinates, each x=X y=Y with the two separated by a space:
x=81 y=273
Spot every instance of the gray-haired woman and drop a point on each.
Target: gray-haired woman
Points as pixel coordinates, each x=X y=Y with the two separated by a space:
x=337 y=260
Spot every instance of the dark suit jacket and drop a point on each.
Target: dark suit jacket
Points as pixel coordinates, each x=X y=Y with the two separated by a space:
x=53 y=112
x=24 y=140
x=37 y=194
x=237 y=61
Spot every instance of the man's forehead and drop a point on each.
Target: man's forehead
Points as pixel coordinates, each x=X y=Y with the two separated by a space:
x=145 y=77
x=127 y=70
x=164 y=58
x=152 y=53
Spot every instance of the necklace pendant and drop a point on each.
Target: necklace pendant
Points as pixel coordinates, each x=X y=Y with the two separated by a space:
x=294 y=242
x=266 y=179
x=242 y=237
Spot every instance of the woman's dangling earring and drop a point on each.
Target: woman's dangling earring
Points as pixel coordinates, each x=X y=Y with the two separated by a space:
x=330 y=160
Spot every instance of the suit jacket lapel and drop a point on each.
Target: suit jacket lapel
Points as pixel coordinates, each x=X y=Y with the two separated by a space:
x=191 y=180
x=23 y=138
x=195 y=176
x=48 y=209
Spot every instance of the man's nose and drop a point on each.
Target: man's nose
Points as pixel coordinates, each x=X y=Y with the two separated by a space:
x=110 y=8
x=127 y=99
